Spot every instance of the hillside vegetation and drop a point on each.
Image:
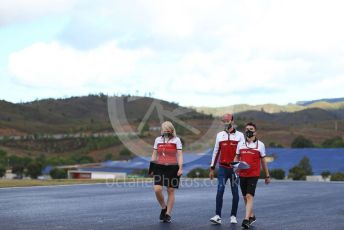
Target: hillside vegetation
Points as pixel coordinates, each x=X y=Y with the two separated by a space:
x=60 y=128
x=271 y=108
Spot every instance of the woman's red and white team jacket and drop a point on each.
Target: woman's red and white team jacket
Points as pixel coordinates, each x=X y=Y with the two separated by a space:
x=167 y=150
x=251 y=153
x=225 y=148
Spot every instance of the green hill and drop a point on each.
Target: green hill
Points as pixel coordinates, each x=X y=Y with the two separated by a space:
x=270 y=108
x=40 y=123
x=81 y=125
x=75 y=114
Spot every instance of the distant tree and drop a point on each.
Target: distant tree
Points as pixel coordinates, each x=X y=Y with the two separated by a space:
x=6 y=139
x=18 y=169
x=338 y=176
x=302 y=142
x=306 y=165
x=272 y=144
x=34 y=169
x=3 y=154
x=41 y=159
x=92 y=143
x=37 y=136
x=125 y=154
x=57 y=173
x=325 y=174
x=275 y=145
x=336 y=142
x=296 y=173
x=18 y=164
x=300 y=171
x=55 y=161
x=80 y=159
x=277 y=174
x=274 y=173
x=2 y=171
x=3 y=157
x=103 y=97
x=108 y=157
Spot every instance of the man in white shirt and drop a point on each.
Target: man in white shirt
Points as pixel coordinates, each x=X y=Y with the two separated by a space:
x=224 y=152
x=252 y=152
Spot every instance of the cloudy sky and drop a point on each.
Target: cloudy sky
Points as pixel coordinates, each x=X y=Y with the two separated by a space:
x=195 y=52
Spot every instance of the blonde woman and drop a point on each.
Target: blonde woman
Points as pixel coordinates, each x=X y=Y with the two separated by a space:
x=166 y=167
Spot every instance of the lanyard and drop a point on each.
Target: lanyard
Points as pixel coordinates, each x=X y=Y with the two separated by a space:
x=163 y=150
x=229 y=133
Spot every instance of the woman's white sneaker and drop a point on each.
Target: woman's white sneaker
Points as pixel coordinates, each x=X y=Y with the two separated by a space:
x=216 y=219
x=234 y=220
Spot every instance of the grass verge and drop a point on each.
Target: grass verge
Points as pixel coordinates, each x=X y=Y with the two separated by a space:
x=28 y=183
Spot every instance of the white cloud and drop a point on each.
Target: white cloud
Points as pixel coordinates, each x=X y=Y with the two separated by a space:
x=12 y=11
x=192 y=51
x=55 y=66
x=327 y=85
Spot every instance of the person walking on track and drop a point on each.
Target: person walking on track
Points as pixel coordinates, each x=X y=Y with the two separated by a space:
x=224 y=152
x=252 y=152
x=166 y=167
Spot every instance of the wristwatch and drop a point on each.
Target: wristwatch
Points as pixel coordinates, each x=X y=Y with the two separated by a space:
x=267 y=177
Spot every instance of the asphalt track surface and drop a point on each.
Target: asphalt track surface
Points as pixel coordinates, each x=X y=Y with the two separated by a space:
x=280 y=205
